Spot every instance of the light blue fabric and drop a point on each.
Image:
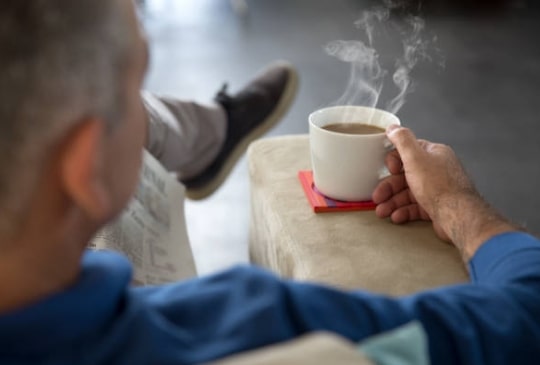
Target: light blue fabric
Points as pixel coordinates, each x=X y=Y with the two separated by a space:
x=406 y=345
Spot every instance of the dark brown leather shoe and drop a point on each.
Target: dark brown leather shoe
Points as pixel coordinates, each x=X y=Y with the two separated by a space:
x=250 y=113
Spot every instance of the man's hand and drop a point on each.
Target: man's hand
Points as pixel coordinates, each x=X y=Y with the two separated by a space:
x=423 y=173
x=428 y=182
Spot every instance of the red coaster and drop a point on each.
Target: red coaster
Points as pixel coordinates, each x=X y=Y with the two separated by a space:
x=322 y=204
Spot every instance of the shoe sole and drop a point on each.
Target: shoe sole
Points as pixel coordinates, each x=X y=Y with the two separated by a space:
x=279 y=112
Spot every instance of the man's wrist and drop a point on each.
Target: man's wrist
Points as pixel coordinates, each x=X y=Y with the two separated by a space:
x=469 y=221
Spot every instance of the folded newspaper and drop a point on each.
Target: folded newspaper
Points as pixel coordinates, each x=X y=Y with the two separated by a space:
x=151 y=231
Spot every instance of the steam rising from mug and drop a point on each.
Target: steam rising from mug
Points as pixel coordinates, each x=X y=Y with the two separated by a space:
x=367 y=76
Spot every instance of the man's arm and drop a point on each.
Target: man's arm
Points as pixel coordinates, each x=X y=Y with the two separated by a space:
x=492 y=321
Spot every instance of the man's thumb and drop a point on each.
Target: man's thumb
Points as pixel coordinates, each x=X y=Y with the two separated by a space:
x=404 y=140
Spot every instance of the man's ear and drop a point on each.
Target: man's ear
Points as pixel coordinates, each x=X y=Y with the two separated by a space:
x=83 y=168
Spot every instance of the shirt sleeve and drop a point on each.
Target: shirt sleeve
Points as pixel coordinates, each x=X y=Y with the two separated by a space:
x=493 y=320
x=496 y=318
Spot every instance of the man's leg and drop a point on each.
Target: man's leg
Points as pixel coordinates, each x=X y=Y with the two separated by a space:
x=202 y=143
x=184 y=136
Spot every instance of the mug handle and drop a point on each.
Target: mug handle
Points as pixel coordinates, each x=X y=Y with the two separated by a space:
x=388 y=146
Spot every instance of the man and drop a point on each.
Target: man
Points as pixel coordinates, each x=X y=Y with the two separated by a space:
x=70 y=152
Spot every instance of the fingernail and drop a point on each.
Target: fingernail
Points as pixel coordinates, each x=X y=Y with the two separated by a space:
x=391 y=128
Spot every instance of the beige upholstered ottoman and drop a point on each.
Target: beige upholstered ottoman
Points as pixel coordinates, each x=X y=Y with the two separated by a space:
x=314 y=349
x=346 y=249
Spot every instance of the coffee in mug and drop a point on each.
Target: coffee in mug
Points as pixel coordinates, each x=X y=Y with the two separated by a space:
x=348 y=147
x=354 y=128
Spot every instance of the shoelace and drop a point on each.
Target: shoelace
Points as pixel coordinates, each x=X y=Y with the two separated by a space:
x=222 y=96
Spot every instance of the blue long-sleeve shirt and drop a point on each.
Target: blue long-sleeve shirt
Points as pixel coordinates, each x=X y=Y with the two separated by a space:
x=102 y=320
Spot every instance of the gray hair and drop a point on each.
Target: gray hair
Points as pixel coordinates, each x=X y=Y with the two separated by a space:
x=60 y=61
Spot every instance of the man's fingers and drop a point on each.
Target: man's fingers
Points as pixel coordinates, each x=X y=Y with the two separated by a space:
x=405 y=142
x=401 y=199
x=393 y=162
x=389 y=187
x=408 y=213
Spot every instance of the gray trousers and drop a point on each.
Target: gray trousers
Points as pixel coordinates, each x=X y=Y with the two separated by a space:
x=184 y=136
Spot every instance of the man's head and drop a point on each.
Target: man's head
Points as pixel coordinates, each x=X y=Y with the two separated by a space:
x=71 y=121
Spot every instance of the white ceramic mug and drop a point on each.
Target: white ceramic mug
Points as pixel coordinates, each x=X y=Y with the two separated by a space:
x=348 y=166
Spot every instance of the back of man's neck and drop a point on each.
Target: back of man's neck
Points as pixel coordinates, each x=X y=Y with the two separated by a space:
x=31 y=272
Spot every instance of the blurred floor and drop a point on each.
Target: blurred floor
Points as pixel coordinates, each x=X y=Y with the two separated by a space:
x=483 y=103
